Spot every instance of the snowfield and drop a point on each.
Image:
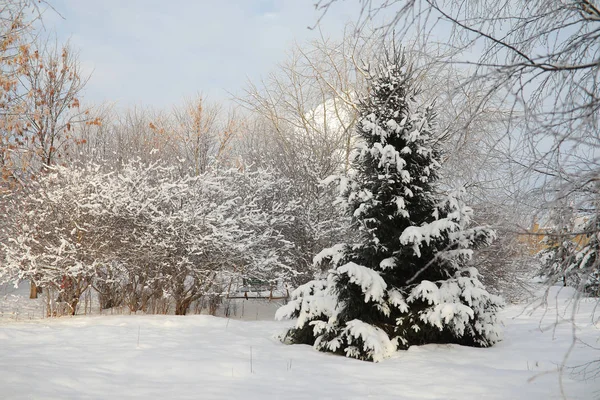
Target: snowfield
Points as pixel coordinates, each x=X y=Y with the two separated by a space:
x=204 y=357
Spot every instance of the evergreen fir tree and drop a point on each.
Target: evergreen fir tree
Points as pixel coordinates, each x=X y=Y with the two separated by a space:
x=584 y=269
x=571 y=254
x=560 y=248
x=406 y=282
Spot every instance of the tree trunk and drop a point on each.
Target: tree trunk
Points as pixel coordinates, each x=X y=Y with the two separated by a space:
x=73 y=305
x=213 y=304
x=182 y=306
x=34 y=290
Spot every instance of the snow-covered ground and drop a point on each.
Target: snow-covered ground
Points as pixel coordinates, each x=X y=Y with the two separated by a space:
x=204 y=357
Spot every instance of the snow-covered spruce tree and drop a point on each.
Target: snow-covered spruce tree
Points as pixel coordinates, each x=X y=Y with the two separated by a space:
x=586 y=265
x=571 y=255
x=407 y=281
x=560 y=247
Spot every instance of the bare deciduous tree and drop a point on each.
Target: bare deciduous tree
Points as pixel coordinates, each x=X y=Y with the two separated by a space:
x=52 y=81
x=16 y=19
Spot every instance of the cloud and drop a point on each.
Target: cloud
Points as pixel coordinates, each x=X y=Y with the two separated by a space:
x=156 y=52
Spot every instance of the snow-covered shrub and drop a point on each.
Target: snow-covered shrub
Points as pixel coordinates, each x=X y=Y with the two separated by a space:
x=505 y=265
x=109 y=283
x=147 y=236
x=406 y=281
x=55 y=243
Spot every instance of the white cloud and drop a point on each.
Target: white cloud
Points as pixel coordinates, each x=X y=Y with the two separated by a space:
x=156 y=52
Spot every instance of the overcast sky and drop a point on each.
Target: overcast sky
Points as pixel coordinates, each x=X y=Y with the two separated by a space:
x=157 y=52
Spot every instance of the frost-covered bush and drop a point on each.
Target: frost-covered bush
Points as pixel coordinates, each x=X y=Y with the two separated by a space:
x=505 y=265
x=54 y=242
x=148 y=237
x=406 y=281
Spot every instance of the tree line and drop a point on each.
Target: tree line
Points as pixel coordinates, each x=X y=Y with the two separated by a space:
x=156 y=209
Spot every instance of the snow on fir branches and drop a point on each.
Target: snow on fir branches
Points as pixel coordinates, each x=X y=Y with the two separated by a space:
x=408 y=280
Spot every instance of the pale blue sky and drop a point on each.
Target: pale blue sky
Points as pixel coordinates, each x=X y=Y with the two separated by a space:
x=156 y=52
